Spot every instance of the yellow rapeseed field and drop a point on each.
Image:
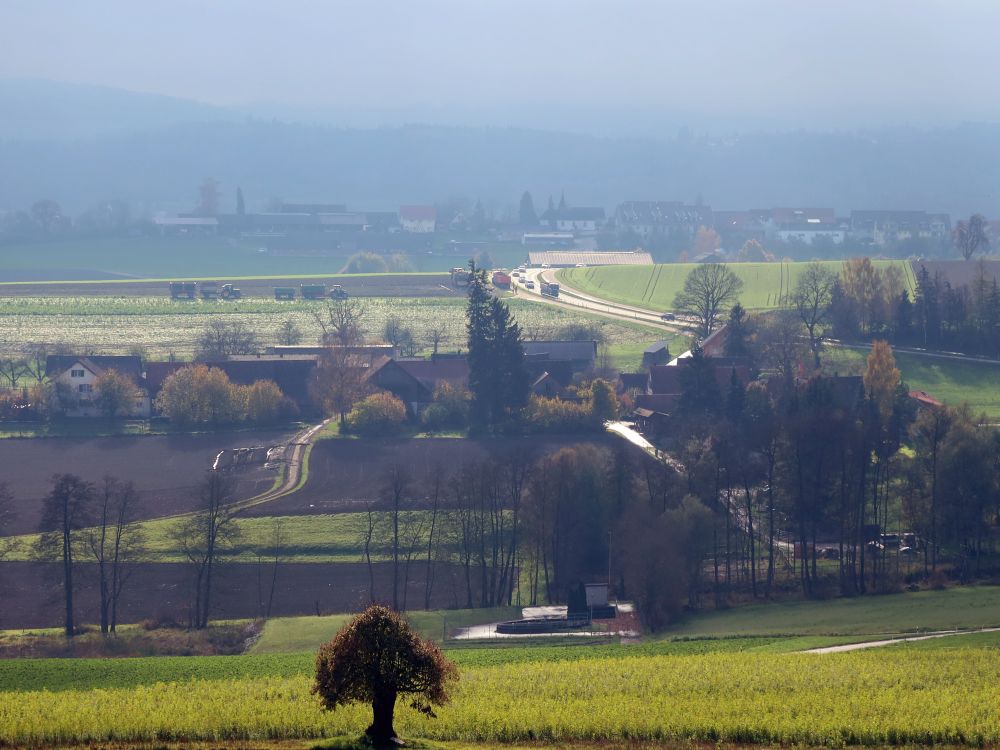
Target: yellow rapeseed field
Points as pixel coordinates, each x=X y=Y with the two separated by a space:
x=867 y=697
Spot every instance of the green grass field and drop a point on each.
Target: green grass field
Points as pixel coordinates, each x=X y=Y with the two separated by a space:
x=949 y=380
x=702 y=687
x=967 y=608
x=766 y=285
x=114 y=325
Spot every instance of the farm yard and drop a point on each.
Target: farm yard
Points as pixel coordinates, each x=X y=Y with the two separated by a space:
x=159 y=327
x=766 y=285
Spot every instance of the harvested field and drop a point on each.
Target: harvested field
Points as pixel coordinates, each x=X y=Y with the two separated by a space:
x=345 y=473
x=111 y=325
x=161 y=590
x=166 y=469
x=360 y=285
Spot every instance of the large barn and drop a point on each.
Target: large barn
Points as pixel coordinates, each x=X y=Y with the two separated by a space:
x=573 y=258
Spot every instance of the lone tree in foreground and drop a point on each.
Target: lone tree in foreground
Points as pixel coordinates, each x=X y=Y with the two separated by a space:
x=709 y=291
x=375 y=658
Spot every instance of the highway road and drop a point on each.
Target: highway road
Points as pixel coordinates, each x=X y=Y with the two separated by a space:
x=573 y=298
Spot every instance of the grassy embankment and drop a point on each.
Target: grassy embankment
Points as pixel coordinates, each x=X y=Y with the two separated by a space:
x=766 y=285
x=953 y=381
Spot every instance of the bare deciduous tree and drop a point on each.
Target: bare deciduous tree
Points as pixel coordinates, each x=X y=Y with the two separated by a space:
x=812 y=298
x=203 y=538
x=709 y=290
x=270 y=552
x=222 y=338
x=969 y=236
x=66 y=511
x=115 y=542
x=341 y=322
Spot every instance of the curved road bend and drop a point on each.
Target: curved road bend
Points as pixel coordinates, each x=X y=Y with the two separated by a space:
x=569 y=297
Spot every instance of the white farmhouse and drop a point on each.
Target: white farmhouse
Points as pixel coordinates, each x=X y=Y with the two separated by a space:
x=418 y=219
x=75 y=381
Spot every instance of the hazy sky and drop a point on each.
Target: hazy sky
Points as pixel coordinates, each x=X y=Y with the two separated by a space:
x=601 y=66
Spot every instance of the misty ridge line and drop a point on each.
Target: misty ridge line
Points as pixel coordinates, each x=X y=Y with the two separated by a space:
x=159 y=161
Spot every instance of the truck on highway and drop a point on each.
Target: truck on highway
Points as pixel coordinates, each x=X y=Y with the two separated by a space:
x=501 y=280
x=549 y=289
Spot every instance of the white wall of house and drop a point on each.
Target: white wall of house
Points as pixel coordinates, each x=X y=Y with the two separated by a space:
x=576 y=225
x=809 y=235
x=81 y=383
x=418 y=226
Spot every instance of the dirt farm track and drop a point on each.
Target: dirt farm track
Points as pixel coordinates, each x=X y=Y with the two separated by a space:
x=375 y=285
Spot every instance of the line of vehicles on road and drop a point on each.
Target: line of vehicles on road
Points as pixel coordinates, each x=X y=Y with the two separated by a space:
x=212 y=290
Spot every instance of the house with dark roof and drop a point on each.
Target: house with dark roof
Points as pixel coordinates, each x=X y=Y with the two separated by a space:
x=413 y=381
x=887 y=227
x=77 y=383
x=580 y=354
x=573 y=219
x=664 y=218
x=656 y=354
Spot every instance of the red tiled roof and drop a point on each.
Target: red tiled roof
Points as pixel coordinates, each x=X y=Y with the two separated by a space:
x=418 y=213
x=924 y=398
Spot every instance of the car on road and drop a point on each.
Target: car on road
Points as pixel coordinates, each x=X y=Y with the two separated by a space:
x=530 y=284
x=668 y=316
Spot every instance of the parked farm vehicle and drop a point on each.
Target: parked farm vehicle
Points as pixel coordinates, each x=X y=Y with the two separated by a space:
x=284 y=292
x=460 y=276
x=313 y=291
x=182 y=290
x=229 y=291
x=338 y=292
x=209 y=290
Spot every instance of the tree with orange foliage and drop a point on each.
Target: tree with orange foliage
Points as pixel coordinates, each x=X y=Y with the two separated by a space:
x=882 y=378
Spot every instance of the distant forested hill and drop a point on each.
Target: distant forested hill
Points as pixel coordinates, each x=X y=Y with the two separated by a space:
x=158 y=161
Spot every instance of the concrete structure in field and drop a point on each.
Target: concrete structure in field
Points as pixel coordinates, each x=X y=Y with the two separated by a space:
x=569 y=259
x=77 y=386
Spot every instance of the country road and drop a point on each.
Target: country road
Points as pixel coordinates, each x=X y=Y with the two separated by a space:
x=890 y=641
